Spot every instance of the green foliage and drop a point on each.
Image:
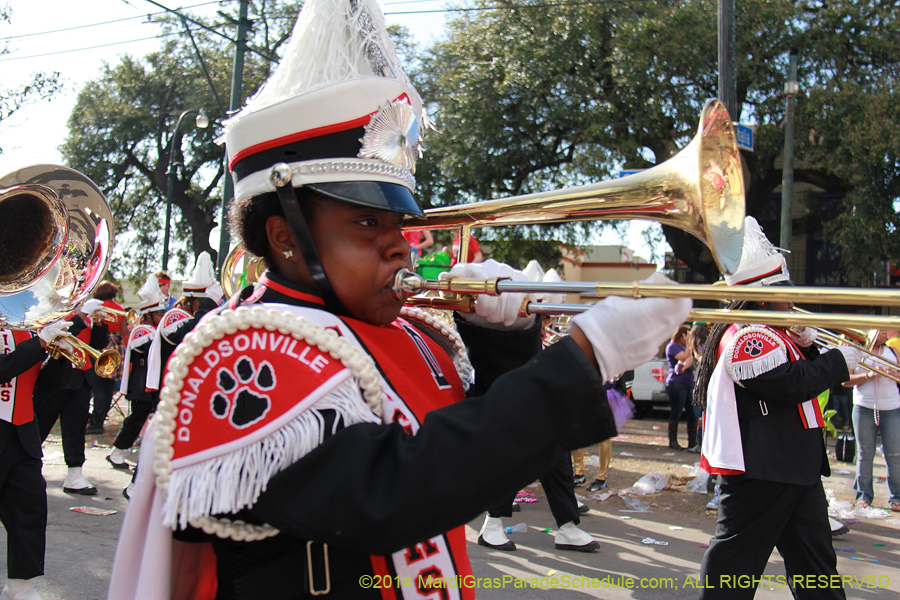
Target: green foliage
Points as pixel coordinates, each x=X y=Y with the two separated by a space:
x=540 y=98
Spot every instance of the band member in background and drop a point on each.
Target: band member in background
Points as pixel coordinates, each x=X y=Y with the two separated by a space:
x=63 y=392
x=134 y=380
x=297 y=481
x=23 y=491
x=165 y=282
x=763 y=437
x=202 y=293
x=103 y=388
x=558 y=482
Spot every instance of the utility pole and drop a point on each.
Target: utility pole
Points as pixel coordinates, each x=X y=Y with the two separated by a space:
x=237 y=82
x=791 y=87
x=727 y=68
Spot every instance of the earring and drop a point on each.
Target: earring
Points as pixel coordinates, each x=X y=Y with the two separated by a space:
x=287 y=253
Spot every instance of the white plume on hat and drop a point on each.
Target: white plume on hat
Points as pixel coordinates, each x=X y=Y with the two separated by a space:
x=761 y=262
x=203 y=276
x=533 y=271
x=339 y=74
x=552 y=276
x=152 y=298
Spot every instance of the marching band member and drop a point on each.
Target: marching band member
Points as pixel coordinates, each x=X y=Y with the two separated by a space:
x=23 y=491
x=134 y=378
x=763 y=437
x=63 y=392
x=202 y=293
x=283 y=479
x=103 y=388
x=558 y=482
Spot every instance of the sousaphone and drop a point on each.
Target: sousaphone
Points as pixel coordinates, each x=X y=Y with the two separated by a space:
x=56 y=240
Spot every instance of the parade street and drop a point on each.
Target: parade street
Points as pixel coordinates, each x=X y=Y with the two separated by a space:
x=81 y=546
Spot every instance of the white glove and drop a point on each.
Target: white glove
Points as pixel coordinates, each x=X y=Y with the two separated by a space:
x=626 y=332
x=214 y=292
x=491 y=311
x=803 y=336
x=55 y=330
x=852 y=356
x=92 y=306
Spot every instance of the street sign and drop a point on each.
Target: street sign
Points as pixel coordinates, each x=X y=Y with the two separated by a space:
x=744 y=137
x=627 y=172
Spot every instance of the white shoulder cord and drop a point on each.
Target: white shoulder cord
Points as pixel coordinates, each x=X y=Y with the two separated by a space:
x=228 y=322
x=461 y=356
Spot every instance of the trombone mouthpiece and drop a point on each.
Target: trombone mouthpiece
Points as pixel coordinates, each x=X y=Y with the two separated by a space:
x=407 y=284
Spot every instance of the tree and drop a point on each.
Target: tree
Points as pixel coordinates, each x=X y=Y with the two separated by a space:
x=120 y=133
x=536 y=98
x=41 y=86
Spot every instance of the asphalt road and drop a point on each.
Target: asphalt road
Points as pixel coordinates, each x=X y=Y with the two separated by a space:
x=80 y=547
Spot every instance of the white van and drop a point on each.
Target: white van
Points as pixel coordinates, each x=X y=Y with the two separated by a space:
x=648 y=388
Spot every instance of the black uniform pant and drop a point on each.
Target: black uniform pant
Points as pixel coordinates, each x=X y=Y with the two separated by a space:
x=559 y=485
x=755 y=517
x=133 y=423
x=71 y=407
x=23 y=507
x=103 y=390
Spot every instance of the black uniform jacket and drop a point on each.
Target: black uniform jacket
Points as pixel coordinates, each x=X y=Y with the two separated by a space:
x=776 y=445
x=26 y=355
x=374 y=489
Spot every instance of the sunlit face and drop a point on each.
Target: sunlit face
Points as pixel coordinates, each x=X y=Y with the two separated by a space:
x=361 y=249
x=164 y=288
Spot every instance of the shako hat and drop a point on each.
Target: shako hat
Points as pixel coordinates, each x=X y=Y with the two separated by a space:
x=338 y=111
x=761 y=263
x=152 y=298
x=203 y=276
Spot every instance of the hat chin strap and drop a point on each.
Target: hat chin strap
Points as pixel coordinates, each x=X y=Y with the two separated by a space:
x=291 y=206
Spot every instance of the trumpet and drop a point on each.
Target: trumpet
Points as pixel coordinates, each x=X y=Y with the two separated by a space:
x=105 y=362
x=112 y=315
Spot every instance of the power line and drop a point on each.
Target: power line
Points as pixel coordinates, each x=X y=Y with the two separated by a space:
x=76 y=27
x=152 y=37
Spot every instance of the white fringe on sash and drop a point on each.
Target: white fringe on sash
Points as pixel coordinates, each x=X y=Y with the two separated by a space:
x=750 y=369
x=230 y=483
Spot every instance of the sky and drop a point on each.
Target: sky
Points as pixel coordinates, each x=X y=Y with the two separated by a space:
x=76 y=38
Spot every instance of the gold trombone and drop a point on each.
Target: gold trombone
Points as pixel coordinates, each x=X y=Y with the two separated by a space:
x=857 y=339
x=105 y=362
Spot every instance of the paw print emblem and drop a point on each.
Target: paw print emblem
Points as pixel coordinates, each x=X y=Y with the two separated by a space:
x=241 y=396
x=753 y=347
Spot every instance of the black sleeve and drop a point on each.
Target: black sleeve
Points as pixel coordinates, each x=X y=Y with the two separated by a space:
x=26 y=355
x=376 y=489
x=494 y=352
x=799 y=381
x=99 y=335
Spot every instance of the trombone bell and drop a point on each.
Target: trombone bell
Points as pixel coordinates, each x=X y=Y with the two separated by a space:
x=700 y=190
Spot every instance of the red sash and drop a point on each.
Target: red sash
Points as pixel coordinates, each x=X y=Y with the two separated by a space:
x=18 y=391
x=423 y=375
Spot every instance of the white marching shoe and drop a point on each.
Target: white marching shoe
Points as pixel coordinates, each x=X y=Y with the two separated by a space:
x=837 y=528
x=569 y=537
x=493 y=536
x=75 y=483
x=19 y=589
x=116 y=458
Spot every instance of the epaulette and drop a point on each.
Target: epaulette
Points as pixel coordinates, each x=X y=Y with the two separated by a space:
x=171 y=322
x=140 y=336
x=752 y=351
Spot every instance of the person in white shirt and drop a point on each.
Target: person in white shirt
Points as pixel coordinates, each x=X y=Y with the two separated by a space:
x=876 y=407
